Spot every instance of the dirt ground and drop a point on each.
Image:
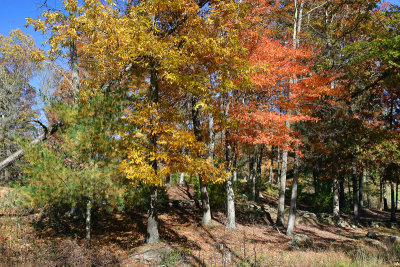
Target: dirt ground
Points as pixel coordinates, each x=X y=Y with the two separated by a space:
x=255 y=242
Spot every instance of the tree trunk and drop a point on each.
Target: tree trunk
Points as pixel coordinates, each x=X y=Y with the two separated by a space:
x=258 y=171
x=6 y=176
x=88 y=223
x=234 y=165
x=230 y=194
x=182 y=179
x=397 y=194
x=74 y=69
x=355 y=193
x=279 y=163
x=381 y=194
x=211 y=145
x=293 y=199
x=271 y=168
x=152 y=220
x=292 y=213
x=252 y=175
x=393 y=206
x=369 y=201
x=230 y=218
x=316 y=180
x=336 y=202
x=205 y=204
x=361 y=192
x=282 y=189
x=205 y=200
x=342 y=196
x=349 y=189
x=385 y=202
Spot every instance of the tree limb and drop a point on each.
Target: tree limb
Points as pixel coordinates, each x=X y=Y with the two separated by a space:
x=16 y=155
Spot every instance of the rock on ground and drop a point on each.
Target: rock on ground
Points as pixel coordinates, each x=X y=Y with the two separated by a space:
x=301 y=240
x=151 y=255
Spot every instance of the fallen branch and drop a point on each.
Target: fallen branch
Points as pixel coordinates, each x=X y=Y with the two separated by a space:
x=16 y=155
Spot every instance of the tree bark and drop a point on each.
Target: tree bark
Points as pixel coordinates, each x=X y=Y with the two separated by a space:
x=381 y=194
x=271 y=168
x=316 y=180
x=397 y=194
x=385 y=202
x=258 y=171
x=234 y=157
x=336 y=202
x=205 y=200
x=252 y=175
x=355 y=193
x=230 y=194
x=282 y=185
x=293 y=199
x=393 y=206
x=230 y=218
x=282 y=190
x=152 y=237
x=349 y=189
x=361 y=186
x=182 y=179
x=152 y=219
x=205 y=204
x=74 y=69
x=342 y=196
x=6 y=176
x=369 y=201
x=88 y=223
x=279 y=163
x=211 y=146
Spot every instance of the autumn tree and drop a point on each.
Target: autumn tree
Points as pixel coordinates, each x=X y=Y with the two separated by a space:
x=155 y=63
x=283 y=88
x=20 y=61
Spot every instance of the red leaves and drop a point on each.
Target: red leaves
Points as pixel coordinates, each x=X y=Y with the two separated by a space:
x=284 y=89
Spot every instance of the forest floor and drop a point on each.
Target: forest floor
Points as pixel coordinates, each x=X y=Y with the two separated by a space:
x=26 y=239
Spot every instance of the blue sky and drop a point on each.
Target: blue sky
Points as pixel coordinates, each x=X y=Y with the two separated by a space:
x=14 y=12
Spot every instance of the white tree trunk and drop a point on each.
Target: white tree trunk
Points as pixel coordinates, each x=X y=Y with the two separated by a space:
x=361 y=188
x=230 y=194
x=230 y=220
x=182 y=179
x=293 y=199
x=74 y=69
x=88 y=223
x=336 y=206
x=282 y=189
